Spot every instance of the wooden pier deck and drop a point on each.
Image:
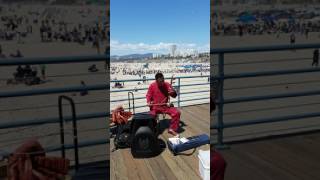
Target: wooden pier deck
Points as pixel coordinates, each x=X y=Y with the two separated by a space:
x=294 y=157
x=165 y=166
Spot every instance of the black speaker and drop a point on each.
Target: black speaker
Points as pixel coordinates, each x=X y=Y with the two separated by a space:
x=144 y=141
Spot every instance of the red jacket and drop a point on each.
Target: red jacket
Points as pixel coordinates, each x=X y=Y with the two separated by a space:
x=155 y=95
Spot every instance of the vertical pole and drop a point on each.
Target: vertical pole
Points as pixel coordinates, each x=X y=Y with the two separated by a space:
x=220 y=99
x=75 y=133
x=179 y=92
x=63 y=153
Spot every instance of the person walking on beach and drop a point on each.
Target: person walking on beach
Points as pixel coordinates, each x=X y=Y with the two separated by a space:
x=315 y=61
x=307 y=33
x=292 y=39
x=1 y=54
x=158 y=96
x=84 y=92
x=43 y=71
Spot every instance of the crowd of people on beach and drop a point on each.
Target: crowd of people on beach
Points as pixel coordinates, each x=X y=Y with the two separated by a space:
x=267 y=28
x=28 y=75
x=141 y=69
x=44 y=24
x=47 y=25
x=262 y=22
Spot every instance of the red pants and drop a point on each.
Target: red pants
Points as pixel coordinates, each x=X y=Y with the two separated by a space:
x=173 y=112
x=217 y=166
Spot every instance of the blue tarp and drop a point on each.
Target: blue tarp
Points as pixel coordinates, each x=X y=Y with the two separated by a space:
x=190 y=66
x=246 y=18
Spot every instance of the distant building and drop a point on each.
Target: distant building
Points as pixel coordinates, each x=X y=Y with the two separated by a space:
x=173 y=49
x=156 y=55
x=195 y=53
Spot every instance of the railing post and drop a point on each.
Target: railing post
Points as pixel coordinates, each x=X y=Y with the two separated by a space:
x=179 y=92
x=75 y=133
x=220 y=100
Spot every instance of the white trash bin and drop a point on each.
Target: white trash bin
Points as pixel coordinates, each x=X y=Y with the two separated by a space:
x=204 y=164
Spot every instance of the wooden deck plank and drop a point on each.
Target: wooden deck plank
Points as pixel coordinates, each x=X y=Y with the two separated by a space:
x=187 y=163
x=166 y=165
x=118 y=169
x=158 y=166
x=295 y=157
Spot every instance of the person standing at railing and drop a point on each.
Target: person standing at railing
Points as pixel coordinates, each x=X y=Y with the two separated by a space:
x=315 y=57
x=1 y=54
x=43 y=71
x=158 y=96
x=292 y=38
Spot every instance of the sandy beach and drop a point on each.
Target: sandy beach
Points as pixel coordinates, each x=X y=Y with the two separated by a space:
x=46 y=106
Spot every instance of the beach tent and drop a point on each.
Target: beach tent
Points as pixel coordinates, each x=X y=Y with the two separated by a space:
x=246 y=18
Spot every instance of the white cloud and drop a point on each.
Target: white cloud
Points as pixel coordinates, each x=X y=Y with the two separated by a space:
x=162 y=47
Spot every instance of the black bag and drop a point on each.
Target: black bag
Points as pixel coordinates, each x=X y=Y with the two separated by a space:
x=123 y=136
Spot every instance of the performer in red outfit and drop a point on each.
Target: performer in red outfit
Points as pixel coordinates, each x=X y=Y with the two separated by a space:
x=158 y=96
x=217 y=165
x=217 y=162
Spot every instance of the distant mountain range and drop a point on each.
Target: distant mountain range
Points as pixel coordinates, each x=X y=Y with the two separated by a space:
x=131 y=57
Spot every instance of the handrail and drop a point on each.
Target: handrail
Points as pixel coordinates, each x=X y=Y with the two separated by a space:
x=270 y=73
x=138 y=89
x=268 y=97
x=70 y=146
x=267 y=120
x=32 y=122
x=33 y=92
x=149 y=79
x=251 y=49
x=53 y=60
x=221 y=77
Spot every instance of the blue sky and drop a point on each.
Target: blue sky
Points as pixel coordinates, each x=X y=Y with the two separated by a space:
x=141 y=26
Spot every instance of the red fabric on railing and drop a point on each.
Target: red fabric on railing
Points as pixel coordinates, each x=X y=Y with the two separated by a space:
x=217 y=166
x=119 y=116
x=28 y=162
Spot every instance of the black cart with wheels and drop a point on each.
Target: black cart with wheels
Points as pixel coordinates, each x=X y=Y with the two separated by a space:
x=144 y=142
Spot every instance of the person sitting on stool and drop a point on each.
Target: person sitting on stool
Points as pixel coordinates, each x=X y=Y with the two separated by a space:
x=157 y=99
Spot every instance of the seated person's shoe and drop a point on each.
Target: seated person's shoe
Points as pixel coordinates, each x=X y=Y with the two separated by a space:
x=172 y=132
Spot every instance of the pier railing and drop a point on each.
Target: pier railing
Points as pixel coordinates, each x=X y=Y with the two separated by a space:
x=192 y=90
x=220 y=77
x=6 y=124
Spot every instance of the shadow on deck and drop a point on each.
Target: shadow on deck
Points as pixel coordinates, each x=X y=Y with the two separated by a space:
x=294 y=157
x=195 y=121
x=93 y=171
